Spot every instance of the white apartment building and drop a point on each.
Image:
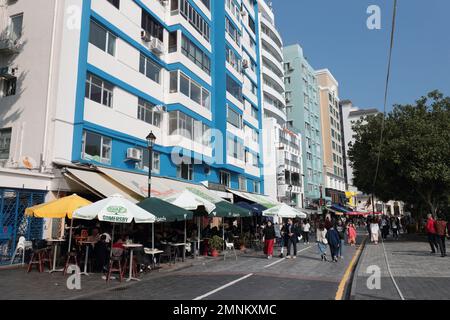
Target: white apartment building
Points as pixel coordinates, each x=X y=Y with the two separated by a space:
x=283 y=176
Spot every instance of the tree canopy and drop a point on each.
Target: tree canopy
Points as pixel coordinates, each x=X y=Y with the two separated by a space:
x=414 y=164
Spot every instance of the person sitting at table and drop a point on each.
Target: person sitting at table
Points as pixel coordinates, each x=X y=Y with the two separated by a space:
x=119 y=243
x=95 y=235
x=206 y=233
x=215 y=232
x=101 y=254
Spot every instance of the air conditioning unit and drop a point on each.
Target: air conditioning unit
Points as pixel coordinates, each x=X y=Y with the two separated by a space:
x=145 y=36
x=134 y=154
x=245 y=64
x=156 y=45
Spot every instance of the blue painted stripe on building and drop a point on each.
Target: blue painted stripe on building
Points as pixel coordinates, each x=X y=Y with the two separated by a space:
x=81 y=80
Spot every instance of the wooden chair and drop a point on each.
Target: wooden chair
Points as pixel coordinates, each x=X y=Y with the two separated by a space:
x=39 y=258
x=115 y=263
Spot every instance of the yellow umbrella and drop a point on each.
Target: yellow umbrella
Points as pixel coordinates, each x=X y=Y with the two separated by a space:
x=59 y=208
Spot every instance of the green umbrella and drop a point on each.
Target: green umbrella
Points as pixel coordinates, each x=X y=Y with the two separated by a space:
x=165 y=212
x=225 y=209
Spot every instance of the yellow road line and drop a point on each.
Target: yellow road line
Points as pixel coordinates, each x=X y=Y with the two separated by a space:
x=346 y=277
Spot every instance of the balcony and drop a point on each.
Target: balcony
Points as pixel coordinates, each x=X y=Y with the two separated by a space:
x=9 y=45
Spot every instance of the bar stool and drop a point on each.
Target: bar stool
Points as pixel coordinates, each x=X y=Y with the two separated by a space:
x=71 y=257
x=115 y=263
x=36 y=259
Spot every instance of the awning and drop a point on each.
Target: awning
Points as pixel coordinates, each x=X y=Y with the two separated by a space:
x=337 y=207
x=99 y=184
x=225 y=209
x=165 y=211
x=161 y=187
x=263 y=200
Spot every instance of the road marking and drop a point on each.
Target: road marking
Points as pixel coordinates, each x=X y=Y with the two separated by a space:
x=390 y=272
x=284 y=259
x=346 y=277
x=223 y=287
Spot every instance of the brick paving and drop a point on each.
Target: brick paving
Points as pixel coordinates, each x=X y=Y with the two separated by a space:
x=419 y=275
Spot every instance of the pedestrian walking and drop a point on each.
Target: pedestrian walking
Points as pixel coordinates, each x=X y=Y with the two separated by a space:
x=322 y=242
x=333 y=242
x=351 y=233
x=269 y=238
x=368 y=221
x=441 y=233
x=430 y=228
x=384 y=227
x=292 y=238
x=340 y=228
x=306 y=230
x=374 y=230
x=395 y=226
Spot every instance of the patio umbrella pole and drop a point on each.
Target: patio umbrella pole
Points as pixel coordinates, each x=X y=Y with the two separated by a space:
x=70 y=235
x=198 y=236
x=184 y=249
x=112 y=239
x=153 y=236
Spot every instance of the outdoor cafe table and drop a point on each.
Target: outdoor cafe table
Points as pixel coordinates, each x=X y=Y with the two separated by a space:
x=87 y=244
x=153 y=252
x=131 y=247
x=55 y=244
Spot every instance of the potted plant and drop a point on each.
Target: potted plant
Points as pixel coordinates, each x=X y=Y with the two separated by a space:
x=216 y=244
x=244 y=241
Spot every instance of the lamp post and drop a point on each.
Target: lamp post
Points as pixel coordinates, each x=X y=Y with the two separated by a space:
x=150 y=143
x=290 y=195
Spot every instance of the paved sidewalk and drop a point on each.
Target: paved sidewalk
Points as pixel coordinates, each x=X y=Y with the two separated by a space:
x=419 y=275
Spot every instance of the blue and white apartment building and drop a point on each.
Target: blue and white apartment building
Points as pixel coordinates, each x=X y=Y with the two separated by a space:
x=85 y=81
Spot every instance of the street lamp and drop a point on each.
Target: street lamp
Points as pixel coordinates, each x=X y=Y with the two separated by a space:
x=150 y=143
x=290 y=194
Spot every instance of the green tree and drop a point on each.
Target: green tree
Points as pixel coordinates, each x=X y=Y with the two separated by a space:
x=414 y=164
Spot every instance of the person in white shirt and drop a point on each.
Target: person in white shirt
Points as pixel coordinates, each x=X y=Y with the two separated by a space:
x=306 y=230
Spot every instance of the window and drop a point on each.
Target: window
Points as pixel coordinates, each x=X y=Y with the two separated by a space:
x=150 y=69
x=5 y=143
x=206 y=3
x=234 y=118
x=225 y=178
x=195 y=54
x=287 y=80
x=185 y=171
x=255 y=160
x=254 y=112
x=115 y=3
x=146 y=113
x=190 y=89
x=151 y=26
x=182 y=124
x=8 y=86
x=16 y=27
x=102 y=39
x=235 y=148
x=98 y=90
x=234 y=88
x=96 y=147
x=251 y=24
x=232 y=31
x=143 y=164
x=233 y=59
x=256 y=187
x=242 y=183
x=194 y=18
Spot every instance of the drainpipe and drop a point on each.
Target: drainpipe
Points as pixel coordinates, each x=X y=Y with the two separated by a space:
x=43 y=164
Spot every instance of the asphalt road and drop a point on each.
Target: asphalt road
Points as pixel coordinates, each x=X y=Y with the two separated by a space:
x=251 y=277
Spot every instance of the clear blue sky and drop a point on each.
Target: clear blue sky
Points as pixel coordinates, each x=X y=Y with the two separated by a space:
x=334 y=35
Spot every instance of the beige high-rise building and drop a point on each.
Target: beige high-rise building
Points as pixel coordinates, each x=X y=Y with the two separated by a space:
x=332 y=137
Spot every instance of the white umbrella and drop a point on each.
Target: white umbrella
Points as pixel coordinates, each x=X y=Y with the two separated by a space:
x=114 y=209
x=189 y=201
x=284 y=211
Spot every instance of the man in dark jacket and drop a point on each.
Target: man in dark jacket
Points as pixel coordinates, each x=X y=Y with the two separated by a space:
x=292 y=234
x=334 y=242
